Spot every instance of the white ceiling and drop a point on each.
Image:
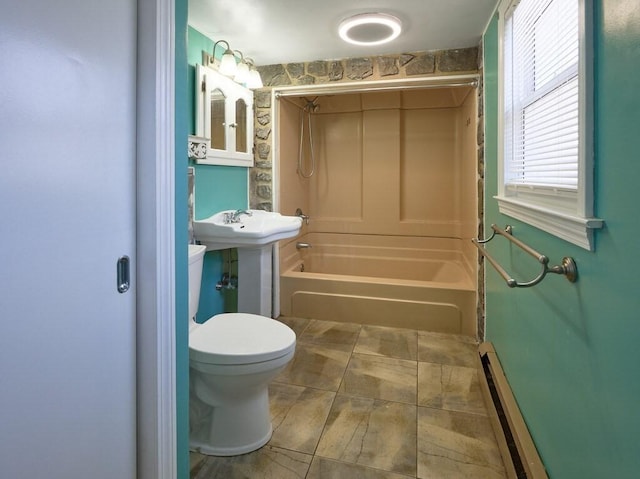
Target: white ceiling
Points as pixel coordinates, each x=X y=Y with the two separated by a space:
x=286 y=31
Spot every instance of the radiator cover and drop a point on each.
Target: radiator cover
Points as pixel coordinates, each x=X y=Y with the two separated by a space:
x=519 y=454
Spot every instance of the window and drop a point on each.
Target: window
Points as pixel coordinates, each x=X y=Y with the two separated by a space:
x=545 y=174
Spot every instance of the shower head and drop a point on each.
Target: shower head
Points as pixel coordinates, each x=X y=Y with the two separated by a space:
x=311 y=105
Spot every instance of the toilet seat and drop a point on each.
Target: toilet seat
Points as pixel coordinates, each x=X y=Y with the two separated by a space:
x=240 y=338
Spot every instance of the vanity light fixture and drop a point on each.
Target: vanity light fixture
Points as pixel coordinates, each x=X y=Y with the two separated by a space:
x=254 y=80
x=370 y=29
x=243 y=71
x=227 y=64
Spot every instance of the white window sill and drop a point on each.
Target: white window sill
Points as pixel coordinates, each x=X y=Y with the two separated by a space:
x=571 y=228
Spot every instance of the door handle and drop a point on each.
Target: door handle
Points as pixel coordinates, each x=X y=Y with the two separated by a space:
x=123 y=274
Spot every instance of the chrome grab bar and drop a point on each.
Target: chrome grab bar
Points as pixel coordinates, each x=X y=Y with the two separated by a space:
x=568 y=267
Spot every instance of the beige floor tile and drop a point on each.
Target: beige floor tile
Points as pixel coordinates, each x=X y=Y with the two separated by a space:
x=196 y=461
x=263 y=463
x=380 y=378
x=455 y=388
x=371 y=428
x=330 y=332
x=454 y=337
x=371 y=432
x=298 y=415
x=456 y=445
x=322 y=468
x=390 y=342
x=297 y=324
x=447 y=349
x=317 y=366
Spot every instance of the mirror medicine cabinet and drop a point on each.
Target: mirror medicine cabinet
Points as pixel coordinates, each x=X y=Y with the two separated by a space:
x=224 y=115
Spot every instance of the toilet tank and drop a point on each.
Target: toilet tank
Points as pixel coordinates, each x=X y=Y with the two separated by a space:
x=196 y=259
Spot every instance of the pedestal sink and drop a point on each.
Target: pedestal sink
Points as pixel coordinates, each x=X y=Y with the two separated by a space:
x=253 y=232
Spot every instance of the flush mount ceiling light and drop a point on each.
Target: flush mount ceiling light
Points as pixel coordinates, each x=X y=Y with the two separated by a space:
x=370 y=29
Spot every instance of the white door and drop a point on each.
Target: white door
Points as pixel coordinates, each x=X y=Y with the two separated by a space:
x=67 y=213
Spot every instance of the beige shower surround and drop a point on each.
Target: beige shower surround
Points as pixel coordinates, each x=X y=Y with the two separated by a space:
x=389 y=163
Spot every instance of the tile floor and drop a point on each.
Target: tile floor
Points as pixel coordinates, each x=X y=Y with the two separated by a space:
x=368 y=402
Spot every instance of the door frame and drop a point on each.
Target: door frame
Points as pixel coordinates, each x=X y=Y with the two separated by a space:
x=155 y=242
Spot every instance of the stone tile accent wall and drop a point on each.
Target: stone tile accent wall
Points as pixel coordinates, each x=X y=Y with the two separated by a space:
x=480 y=135
x=400 y=66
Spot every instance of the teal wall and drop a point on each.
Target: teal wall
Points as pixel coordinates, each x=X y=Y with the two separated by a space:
x=217 y=188
x=181 y=219
x=571 y=351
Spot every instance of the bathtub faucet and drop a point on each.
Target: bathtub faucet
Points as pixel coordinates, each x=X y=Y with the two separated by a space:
x=304 y=217
x=302 y=245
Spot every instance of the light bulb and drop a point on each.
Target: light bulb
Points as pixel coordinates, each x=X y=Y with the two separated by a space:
x=254 y=80
x=242 y=73
x=228 y=64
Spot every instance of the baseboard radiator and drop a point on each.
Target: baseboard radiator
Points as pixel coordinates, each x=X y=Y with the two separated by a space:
x=519 y=454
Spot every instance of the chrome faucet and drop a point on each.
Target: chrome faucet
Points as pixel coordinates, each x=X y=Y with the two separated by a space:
x=237 y=213
x=304 y=217
x=234 y=217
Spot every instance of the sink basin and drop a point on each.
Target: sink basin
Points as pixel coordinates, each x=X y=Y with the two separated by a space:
x=259 y=229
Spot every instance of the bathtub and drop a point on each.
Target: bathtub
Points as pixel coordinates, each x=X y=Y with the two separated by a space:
x=399 y=281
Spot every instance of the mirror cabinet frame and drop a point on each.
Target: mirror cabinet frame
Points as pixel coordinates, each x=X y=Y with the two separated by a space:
x=209 y=82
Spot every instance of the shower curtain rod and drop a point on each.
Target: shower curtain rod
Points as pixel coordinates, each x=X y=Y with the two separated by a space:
x=290 y=101
x=357 y=88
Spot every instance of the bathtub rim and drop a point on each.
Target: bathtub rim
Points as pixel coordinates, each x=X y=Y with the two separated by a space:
x=458 y=285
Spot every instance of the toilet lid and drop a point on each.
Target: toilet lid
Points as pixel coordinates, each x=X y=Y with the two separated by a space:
x=240 y=338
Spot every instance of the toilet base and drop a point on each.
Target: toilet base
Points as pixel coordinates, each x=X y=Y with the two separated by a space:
x=207 y=449
x=238 y=423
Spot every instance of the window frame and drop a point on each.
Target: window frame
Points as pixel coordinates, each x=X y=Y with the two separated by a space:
x=562 y=212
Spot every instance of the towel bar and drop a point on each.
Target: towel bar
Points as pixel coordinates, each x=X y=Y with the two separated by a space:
x=568 y=267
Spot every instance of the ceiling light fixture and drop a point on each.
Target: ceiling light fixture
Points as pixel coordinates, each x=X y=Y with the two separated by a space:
x=370 y=29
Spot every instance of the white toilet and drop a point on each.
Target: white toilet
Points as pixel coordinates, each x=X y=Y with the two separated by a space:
x=232 y=359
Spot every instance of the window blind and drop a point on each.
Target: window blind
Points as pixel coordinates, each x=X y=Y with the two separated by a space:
x=541 y=94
